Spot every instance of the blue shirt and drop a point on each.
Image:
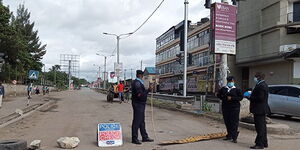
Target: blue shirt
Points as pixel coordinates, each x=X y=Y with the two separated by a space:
x=140 y=80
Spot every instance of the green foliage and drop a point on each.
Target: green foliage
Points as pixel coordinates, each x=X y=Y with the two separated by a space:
x=20 y=43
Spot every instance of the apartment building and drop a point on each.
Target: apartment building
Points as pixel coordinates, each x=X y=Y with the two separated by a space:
x=268 y=41
x=200 y=59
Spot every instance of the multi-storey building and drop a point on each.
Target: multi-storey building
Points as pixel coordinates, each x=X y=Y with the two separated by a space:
x=269 y=41
x=199 y=58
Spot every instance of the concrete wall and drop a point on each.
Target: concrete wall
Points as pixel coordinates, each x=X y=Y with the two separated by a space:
x=11 y=90
x=276 y=73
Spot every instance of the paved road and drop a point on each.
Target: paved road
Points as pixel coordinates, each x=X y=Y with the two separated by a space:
x=293 y=122
x=78 y=113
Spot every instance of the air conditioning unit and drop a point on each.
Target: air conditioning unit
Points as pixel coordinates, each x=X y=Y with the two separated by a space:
x=288 y=48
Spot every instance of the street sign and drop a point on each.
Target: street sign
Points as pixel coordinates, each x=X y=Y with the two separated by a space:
x=223 y=25
x=118 y=69
x=112 y=75
x=109 y=135
x=33 y=74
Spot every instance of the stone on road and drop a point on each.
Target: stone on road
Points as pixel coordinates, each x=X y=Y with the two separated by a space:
x=78 y=113
x=36 y=144
x=68 y=142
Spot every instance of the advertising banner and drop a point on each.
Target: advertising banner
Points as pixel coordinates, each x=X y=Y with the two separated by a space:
x=109 y=135
x=223 y=25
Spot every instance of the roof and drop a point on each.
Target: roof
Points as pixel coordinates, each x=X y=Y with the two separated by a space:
x=150 y=70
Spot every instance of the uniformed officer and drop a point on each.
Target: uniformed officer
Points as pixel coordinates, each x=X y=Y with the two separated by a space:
x=231 y=97
x=139 y=98
x=259 y=108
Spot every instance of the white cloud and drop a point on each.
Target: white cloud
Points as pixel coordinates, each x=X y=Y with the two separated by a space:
x=76 y=27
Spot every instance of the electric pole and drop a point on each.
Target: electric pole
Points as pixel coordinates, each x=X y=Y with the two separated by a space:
x=185 y=47
x=142 y=65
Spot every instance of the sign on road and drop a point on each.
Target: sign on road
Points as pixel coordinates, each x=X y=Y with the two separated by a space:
x=33 y=74
x=109 y=135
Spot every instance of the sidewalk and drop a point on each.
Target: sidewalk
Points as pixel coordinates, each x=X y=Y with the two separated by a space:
x=10 y=104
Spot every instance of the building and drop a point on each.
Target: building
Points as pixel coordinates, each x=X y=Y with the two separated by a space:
x=200 y=59
x=150 y=76
x=268 y=41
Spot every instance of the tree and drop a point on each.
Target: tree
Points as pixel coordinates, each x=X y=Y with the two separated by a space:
x=31 y=50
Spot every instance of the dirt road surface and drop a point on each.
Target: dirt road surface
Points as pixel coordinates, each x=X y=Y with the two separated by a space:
x=77 y=113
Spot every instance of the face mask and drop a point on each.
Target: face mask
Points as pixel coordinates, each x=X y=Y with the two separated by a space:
x=255 y=80
x=230 y=84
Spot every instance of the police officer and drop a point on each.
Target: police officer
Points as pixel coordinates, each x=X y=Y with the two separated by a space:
x=139 y=98
x=231 y=97
x=259 y=108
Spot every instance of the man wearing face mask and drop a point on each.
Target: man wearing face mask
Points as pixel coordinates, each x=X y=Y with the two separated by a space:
x=231 y=97
x=259 y=108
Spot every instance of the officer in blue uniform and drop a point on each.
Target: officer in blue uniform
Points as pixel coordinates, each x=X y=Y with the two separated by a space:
x=139 y=98
x=231 y=97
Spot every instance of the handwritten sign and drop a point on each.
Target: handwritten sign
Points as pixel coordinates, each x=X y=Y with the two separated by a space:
x=109 y=134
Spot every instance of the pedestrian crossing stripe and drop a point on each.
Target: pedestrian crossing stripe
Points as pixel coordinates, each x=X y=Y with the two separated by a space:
x=195 y=138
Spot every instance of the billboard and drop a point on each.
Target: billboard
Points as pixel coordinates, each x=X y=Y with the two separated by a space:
x=223 y=25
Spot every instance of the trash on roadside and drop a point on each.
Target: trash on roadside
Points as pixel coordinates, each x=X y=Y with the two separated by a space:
x=36 y=144
x=19 y=111
x=68 y=142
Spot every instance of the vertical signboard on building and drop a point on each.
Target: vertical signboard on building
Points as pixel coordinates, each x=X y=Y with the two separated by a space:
x=223 y=25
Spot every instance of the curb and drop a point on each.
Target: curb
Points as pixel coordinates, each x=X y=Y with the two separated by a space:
x=280 y=129
x=14 y=117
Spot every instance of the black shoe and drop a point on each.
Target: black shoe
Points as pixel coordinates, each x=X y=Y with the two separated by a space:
x=256 y=147
x=266 y=146
x=147 y=140
x=136 y=142
x=234 y=141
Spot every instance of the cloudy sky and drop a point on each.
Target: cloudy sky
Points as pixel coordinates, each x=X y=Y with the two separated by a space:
x=76 y=27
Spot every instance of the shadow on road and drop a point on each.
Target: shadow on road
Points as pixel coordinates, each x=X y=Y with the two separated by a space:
x=294 y=119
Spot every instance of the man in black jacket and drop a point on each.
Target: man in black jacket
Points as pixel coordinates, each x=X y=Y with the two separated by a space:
x=231 y=97
x=139 y=98
x=259 y=108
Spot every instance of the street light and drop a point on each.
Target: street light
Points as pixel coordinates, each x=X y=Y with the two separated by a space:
x=104 y=76
x=118 y=40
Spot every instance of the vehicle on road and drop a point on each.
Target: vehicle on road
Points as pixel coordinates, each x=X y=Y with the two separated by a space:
x=284 y=100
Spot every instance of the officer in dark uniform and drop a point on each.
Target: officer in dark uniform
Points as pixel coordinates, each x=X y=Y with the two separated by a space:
x=259 y=108
x=139 y=98
x=231 y=97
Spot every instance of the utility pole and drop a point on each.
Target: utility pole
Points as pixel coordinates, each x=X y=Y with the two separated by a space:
x=131 y=73
x=224 y=66
x=104 y=77
x=99 y=77
x=185 y=47
x=118 y=47
x=69 y=74
x=142 y=65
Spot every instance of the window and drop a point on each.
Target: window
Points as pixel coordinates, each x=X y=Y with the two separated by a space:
x=294 y=92
x=296 y=12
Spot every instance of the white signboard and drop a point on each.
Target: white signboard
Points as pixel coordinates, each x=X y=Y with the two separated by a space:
x=109 y=135
x=118 y=69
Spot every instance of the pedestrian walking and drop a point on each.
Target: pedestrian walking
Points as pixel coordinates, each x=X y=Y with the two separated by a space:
x=259 y=108
x=120 y=89
x=29 y=92
x=2 y=92
x=139 y=98
x=231 y=97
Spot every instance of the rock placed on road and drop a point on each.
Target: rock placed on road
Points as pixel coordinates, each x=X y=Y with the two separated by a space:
x=68 y=142
x=36 y=144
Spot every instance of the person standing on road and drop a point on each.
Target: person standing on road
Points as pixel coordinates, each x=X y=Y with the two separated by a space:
x=29 y=91
x=259 y=108
x=139 y=98
x=120 y=88
x=231 y=97
x=2 y=92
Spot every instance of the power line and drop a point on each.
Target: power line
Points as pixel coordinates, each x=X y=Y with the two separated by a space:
x=146 y=19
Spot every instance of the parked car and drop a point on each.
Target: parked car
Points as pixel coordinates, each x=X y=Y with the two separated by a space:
x=284 y=100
